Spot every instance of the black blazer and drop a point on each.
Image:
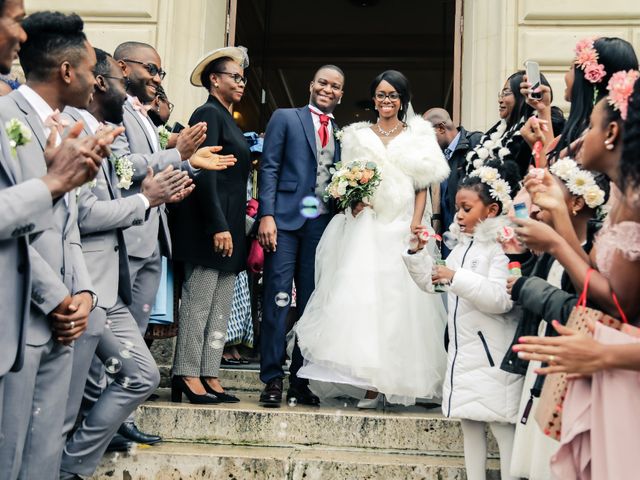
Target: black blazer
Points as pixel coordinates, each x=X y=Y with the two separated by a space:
x=457 y=163
x=218 y=203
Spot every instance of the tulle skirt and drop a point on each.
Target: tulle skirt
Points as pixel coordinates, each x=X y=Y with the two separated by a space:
x=367 y=324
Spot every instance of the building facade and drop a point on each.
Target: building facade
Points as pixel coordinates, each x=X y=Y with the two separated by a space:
x=497 y=36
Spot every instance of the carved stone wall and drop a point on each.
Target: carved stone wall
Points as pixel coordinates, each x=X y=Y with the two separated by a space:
x=499 y=35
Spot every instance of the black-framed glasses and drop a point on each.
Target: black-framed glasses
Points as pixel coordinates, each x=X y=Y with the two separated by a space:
x=236 y=77
x=380 y=96
x=124 y=80
x=152 y=68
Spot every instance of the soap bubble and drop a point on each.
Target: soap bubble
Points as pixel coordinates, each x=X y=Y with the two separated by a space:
x=450 y=240
x=146 y=308
x=282 y=299
x=36 y=411
x=126 y=382
x=293 y=401
x=125 y=353
x=112 y=365
x=310 y=207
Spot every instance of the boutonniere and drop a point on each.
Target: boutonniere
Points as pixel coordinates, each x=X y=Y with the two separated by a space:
x=337 y=134
x=163 y=135
x=18 y=134
x=124 y=171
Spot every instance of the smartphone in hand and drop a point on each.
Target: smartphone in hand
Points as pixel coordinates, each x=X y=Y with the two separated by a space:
x=533 y=77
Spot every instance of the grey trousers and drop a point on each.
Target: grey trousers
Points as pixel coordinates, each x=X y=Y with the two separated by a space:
x=207 y=295
x=84 y=350
x=34 y=403
x=135 y=376
x=145 y=280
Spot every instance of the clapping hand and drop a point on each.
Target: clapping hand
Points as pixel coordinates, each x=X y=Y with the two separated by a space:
x=190 y=139
x=208 y=159
x=168 y=186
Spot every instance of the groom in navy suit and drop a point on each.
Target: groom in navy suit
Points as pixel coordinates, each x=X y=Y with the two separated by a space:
x=299 y=149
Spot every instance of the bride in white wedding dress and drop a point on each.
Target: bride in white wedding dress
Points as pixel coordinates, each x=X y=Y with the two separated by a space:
x=367 y=324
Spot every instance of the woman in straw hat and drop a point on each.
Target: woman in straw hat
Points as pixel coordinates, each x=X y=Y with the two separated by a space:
x=208 y=232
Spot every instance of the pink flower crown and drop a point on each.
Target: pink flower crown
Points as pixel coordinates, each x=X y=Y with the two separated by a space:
x=620 y=90
x=587 y=60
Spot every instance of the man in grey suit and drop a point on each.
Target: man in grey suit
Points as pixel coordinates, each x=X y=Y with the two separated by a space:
x=146 y=243
x=103 y=216
x=55 y=53
x=26 y=208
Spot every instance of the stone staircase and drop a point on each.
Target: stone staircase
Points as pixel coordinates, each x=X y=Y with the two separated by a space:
x=333 y=442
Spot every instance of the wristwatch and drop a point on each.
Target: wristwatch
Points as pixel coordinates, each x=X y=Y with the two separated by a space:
x=94 y=298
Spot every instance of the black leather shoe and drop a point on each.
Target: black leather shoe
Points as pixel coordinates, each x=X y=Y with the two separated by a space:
x=119 y=444
x=131 y=432
x=70 y=476
x=224 y=397
x=271 y=396
x=303 y=395
x=229 y=361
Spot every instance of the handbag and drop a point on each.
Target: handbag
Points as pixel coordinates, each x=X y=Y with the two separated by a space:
x=549 y=412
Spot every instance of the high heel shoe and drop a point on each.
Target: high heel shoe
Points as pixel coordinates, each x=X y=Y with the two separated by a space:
x=370 y=403
x=224 y=397
x=179 y=386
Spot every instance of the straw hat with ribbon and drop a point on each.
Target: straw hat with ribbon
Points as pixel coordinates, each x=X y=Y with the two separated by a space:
x=238 y=54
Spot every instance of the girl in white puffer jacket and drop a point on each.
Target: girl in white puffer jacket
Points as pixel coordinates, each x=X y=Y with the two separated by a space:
x=476 y=390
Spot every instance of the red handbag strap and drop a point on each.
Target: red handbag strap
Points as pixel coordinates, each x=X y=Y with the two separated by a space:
x=582 y=300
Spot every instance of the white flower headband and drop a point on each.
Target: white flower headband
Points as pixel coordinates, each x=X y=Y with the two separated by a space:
x=499 y=189
x=579 y=182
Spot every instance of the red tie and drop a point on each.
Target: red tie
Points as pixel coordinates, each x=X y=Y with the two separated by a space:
x=323 y=132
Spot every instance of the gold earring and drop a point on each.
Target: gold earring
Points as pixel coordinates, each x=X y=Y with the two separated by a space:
x=216 y=85
x=574 y=212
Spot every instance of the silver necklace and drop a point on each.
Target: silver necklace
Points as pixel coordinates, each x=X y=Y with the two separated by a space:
x=385 y=132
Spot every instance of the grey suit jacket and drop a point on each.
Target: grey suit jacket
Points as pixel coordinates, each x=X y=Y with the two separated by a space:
x=26 y=209
x=138 y=146
x=102 y=216
x=57 y=266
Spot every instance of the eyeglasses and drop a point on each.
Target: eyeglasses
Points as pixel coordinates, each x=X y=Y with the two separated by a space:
x=504 y=93
x=124 y=80
x=392 y=96
x=236 y=77
x=152 y=68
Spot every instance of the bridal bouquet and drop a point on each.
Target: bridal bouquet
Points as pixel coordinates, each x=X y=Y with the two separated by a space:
x=352 y=183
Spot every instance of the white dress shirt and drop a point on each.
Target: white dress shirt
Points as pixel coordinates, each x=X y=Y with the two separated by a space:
x=150 y=127
x=316 y=119
x=43 y=110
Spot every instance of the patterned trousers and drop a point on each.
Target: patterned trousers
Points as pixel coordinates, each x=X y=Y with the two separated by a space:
x=207 y=295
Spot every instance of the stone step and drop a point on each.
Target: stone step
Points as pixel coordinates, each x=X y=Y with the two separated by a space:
x=174 y=461
x=336 y=424
x=245 y=378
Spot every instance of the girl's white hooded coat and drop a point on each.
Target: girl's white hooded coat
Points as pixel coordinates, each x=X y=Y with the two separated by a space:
x=480 y=328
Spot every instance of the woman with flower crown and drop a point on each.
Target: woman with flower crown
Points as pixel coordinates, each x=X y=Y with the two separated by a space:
x=616 y=256
x=583 y=194
x=596 y=59
x=367 y=324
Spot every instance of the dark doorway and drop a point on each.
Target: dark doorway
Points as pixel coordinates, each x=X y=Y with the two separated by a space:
x=289 y=39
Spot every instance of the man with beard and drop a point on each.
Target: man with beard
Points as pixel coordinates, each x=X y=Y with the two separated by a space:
x=25 y=206
x=142 y=67
x=58 y=63
x=103 y=216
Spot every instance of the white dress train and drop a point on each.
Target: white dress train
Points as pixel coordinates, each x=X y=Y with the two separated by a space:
x=367 y=324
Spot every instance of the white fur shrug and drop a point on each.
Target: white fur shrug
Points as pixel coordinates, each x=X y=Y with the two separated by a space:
x=411 y=161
